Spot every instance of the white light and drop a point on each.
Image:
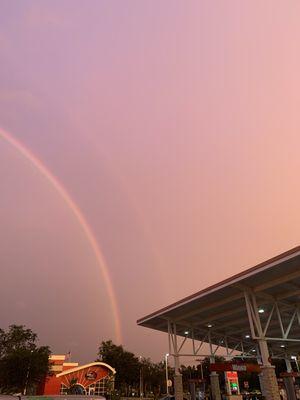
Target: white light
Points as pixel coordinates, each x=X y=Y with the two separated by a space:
x=247 y=336
x=294 y=357
x=186 y=332
x=254 y=350
x=209 y=325
x=282 y=345
x=261 y=310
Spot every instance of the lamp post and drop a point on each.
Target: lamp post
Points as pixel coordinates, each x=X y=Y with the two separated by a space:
x=201 y=367
x=296 y=361
x=27 y=374
x=167 y=375
x=141 y=379
x=202 y=375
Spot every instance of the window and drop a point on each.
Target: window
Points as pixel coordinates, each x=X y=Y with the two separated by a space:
x=99 y=388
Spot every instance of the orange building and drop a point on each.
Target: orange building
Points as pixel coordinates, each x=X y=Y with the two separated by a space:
x=96 y=378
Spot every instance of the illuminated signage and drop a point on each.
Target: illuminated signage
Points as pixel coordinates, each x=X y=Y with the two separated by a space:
x=232 y=382
x=236 y=366
x=91 y=376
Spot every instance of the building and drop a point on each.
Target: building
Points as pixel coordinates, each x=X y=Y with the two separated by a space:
x=96 y=378
x=254 y=314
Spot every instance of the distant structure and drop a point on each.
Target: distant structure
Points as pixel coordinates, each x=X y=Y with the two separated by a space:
x=96 y=378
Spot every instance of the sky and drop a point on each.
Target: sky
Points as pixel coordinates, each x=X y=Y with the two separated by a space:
x=171 y=127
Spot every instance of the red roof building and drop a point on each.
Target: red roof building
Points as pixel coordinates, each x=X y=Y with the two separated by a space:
x=95 y=379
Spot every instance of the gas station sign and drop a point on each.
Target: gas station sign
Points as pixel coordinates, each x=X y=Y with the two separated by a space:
x=232 y=382
x=235 y=366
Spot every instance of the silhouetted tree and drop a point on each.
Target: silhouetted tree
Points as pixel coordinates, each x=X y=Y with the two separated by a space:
x=154 y=376
x=130 y=369
x=126 y=364
x=23 y=365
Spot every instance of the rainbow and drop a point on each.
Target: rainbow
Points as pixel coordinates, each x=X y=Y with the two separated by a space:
x=61 y=190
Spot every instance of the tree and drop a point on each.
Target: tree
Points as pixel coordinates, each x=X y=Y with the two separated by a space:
x=126 y=364
x=23 y=365
x=154 y=376
x=131 y=371
x=188 y=373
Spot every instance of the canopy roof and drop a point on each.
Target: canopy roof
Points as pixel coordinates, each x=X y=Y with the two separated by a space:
x=221 y=308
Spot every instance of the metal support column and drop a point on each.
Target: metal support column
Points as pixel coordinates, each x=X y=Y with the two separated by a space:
x=214 y=377
x=289 y=381
x=268 y=380
x=178 y=387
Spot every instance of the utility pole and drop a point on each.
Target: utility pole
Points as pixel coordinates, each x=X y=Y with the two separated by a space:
x=167 y=375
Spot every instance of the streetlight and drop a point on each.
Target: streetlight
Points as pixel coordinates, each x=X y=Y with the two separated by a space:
x=167 y=375
x=201 y=362
x=296 y=361
x=201 y=368
x=27 y=374
x=141 y=379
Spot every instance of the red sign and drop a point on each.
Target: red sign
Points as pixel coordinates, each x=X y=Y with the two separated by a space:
x=231 y=375
x=234 y=366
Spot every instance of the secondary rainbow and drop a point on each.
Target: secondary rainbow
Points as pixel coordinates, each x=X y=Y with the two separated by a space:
x=53 y=180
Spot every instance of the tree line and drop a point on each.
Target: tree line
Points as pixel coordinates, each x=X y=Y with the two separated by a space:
x=24 y=366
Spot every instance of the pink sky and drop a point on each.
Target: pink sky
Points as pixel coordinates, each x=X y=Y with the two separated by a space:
x=174 y=126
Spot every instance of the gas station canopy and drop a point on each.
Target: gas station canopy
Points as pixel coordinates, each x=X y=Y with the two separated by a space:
x=260 y=302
